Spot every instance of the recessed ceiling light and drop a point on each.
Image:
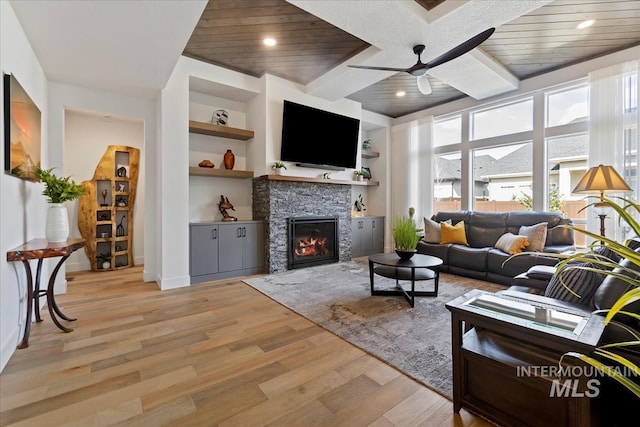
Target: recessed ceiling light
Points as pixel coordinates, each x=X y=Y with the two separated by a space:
x=585 y=24
x=401 y=93
x=269 y=41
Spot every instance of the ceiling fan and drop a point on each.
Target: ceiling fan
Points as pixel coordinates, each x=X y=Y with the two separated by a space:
x=419 y=69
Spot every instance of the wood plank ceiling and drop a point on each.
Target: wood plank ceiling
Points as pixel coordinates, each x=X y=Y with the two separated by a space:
x=230 y=33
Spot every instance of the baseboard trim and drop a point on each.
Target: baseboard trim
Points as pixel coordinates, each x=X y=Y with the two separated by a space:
x=174 y=282
x=9 y=347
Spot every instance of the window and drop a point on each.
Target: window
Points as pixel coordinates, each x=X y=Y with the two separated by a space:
x=567 y=106
x=447 y=132
x=502 y=178
x=567 y=162
x=502 y=120
x=447 y=182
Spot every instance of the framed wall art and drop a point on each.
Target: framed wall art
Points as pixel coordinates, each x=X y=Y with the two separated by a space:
x=22 y=131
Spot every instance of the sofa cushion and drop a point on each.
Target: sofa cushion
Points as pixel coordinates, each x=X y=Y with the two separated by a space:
x=536 y=234
x=511 y=243
x=436 y=250
x=542 y=272
x=453 y=233
x=432 y=230
x=485 y=228
x=558 y=235
x=468 y=258
x=574 y=283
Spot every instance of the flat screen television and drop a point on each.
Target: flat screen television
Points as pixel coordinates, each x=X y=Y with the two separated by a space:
x=318 y=138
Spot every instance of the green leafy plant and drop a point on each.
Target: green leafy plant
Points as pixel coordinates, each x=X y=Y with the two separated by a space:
x=279 y=165
x=613 y=352
x=103 y=258
x=405 y=233
x=57 y=189
x=556 y=202
x=358 y=172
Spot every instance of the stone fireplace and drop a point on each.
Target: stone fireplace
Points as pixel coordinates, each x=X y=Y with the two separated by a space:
x=277 y=199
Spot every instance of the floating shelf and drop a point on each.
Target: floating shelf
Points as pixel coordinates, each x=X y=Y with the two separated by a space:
x=217 y=130
x=318 y=180
x=223 y=173
x=370 y=154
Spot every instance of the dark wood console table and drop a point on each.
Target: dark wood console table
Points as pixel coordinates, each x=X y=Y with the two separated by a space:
x=40 y=249
x=504 y=349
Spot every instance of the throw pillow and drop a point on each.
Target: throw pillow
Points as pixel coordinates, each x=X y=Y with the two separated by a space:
x=536 y=235
x=432 y=230
x=453 y=233
x=511 y=243
x=576 y=277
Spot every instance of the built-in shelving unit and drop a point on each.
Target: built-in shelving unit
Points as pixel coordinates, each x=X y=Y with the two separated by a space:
x=221 y=131
x=222 y=173
x=370 y=154
x=318 y=180
x=105 y=209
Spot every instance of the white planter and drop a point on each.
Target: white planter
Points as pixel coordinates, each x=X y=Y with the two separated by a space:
x=106 y=265
x=278 y=171
x=57 y=229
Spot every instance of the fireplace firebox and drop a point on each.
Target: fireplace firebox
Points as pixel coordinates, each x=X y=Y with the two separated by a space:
x=312 y=241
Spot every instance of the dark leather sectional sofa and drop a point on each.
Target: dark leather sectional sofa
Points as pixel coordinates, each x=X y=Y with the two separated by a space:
x=481 y=260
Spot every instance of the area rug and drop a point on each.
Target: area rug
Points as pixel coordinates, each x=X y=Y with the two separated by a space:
x=336 y=296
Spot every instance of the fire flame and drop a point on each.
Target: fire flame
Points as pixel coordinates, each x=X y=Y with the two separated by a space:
x=311 y=246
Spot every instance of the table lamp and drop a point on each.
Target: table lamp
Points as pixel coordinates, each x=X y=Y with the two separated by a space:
x=599 y=180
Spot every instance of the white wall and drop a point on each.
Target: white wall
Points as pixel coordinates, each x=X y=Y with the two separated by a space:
x=86 y=137
x=22 y=207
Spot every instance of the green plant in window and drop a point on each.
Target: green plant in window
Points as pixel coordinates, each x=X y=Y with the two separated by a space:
x=556 y=202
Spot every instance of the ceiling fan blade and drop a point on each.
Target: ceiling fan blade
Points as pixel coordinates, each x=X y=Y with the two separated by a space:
x=423 y=84
x=461 y=49
x=364 y=67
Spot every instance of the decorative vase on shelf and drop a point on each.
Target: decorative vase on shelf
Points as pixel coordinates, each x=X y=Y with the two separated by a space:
x=106 y=265
x=229 y=159
x=57 y=229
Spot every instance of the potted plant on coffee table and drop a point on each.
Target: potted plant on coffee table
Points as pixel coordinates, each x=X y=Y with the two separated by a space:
x=57 y=190
x=405 y=236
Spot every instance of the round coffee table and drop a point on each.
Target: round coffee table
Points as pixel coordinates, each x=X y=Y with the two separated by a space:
x=418 y=267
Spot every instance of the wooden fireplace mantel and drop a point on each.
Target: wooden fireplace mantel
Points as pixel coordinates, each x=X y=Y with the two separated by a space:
x=318 y=180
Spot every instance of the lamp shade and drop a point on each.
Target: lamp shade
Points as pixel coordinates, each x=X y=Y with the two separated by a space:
x=602 y=179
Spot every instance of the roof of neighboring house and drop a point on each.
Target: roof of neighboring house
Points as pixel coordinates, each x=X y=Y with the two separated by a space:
x=514 y=163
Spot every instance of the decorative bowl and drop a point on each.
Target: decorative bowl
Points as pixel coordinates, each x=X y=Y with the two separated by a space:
x=405 y=255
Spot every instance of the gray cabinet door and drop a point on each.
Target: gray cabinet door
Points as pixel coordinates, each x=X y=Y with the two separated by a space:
x=367 y=236
x=253 y=245
x=204 y=249
x=230 y=247
x=377 y=233
x=360 y=237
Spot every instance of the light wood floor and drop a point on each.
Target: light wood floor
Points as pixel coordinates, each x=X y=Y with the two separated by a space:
x=217 y=353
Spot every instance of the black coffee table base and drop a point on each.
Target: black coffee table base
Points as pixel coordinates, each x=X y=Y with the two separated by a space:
x=412 y=274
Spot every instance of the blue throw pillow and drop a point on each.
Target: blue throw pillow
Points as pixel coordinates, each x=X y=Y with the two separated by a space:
x=575 y=277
